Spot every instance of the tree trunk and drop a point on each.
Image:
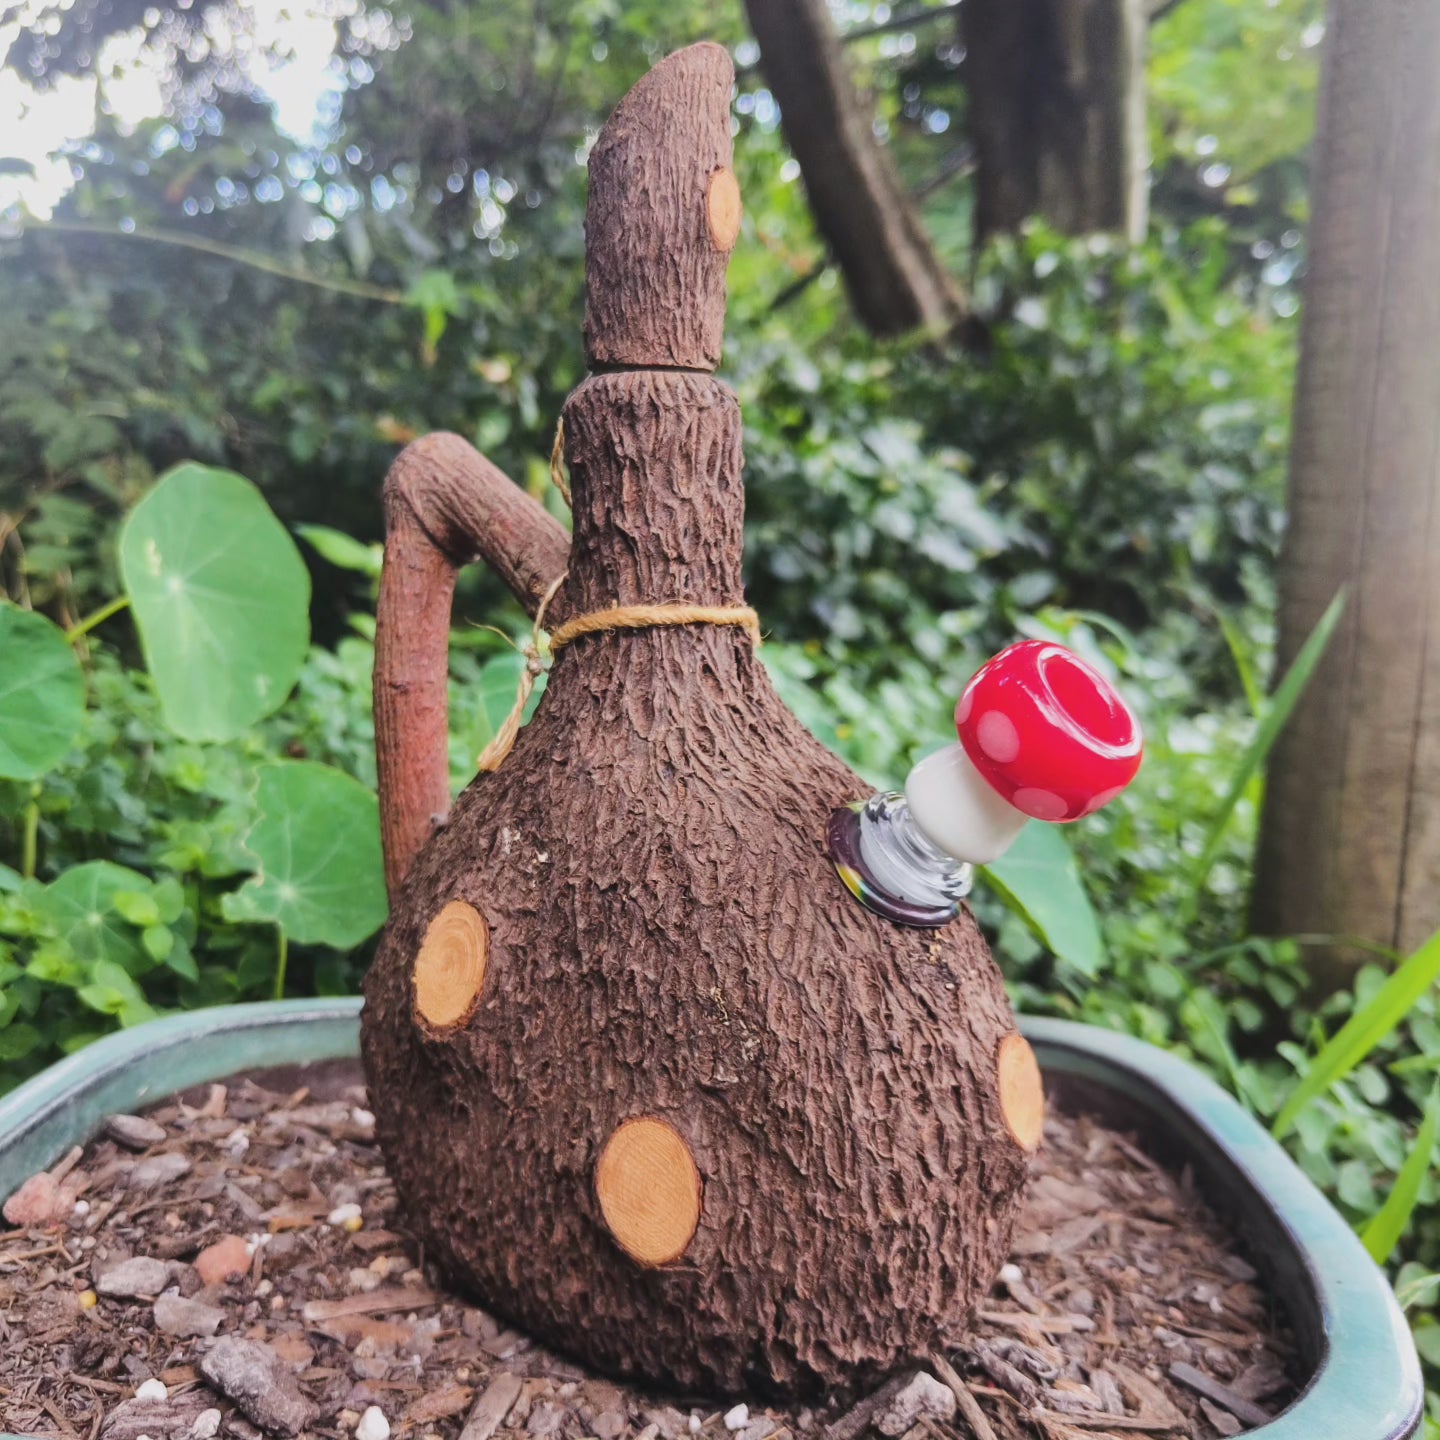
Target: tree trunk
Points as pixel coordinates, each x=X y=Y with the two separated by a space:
x=894 y=278
x=1056 y=96
x=1350 y=841
x=647 y=1079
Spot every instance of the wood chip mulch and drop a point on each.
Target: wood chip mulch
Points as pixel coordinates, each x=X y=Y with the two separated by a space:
x=237 y=1258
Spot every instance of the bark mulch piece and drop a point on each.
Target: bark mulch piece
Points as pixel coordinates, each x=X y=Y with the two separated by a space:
x=1127 y=1308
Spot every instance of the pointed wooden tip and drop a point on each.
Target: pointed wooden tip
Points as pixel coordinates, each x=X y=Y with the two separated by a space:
x=655 y=264
x=668 y=86
x=649 y=1191
x=1022 y=1094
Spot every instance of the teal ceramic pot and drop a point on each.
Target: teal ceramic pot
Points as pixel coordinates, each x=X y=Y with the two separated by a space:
x=1365 y=1377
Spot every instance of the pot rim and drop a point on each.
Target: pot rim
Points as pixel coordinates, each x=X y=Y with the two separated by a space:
x=1366 y=1382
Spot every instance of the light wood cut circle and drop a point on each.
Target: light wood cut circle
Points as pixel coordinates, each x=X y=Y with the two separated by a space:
x=450 y=968
x=1022 y=1096
x=649 y=1190
x=722 y=209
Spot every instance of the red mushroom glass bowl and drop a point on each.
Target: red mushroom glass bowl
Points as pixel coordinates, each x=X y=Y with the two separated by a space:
x=1042 y=735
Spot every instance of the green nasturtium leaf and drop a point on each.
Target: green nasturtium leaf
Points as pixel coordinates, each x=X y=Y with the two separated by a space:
x=81 y=906
x=221 y=597
x=343 y=550
x=1039 y=879
x=112 y=991
x=42 y=694
x=316 y=845
x=17 y=1041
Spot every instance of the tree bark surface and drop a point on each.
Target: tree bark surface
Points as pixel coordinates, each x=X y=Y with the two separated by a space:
x=655 y=277
x=667 y=953
x=445 y=505
x=1350 y=839
x=894 y=278
x=1056 y=103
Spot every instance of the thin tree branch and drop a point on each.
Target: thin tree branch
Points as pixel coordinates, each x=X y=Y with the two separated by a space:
x=251 y=259
x=908 y=21
x=801 y=283
x=959 y=163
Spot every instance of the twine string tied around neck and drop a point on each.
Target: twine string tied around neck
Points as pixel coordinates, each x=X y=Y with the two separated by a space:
x=596 y=622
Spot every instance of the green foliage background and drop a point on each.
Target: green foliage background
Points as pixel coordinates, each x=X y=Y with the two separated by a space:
x=1107 y=467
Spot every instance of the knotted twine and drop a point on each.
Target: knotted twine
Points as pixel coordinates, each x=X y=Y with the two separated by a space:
x=615 y=617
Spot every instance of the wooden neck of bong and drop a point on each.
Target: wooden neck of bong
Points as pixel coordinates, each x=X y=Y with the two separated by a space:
x=655 y=474
x=653 y=440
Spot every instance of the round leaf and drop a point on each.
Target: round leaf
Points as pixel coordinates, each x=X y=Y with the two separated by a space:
x=317 y=848
x=42 y=694
x=221 y=597
x=80 y=904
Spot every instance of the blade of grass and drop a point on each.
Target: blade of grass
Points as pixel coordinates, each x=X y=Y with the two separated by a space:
x=1414 y=1065
x=1382 y=1234
x=1363 y=1031
x=1244 y=667
x=1272 y=722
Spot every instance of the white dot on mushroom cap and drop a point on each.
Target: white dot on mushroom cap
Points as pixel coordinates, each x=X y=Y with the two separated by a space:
x=998 y=737
x=966 y=705
x=1103 y=799
x=1039 y=804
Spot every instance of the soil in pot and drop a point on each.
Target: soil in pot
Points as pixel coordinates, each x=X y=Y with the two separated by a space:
x=240 y=1246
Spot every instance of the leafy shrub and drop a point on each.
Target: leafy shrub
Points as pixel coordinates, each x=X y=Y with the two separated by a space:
x=1120 y=449
x=158 y=817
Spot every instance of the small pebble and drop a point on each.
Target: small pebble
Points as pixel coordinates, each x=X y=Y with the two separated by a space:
x=183 y=1318
x=207 y=1425
x=738 y=1418
x=36 y=1202
x=141 y=1275
x=373 y=1425
x=694 y=1423
x=159 y=1170
x=152 y=1390
x=256 y=1379
x=134 y=1131
x=227 y=1259
x=88 y=1299
x=922 y=1397
x=82 y=1207
x=340 y=1216
x=1011 y=1273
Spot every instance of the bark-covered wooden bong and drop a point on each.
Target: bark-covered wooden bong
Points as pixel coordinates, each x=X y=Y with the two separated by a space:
x=648 y=1080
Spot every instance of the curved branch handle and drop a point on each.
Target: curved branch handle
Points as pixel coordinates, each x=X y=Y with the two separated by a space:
x=445 y=506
